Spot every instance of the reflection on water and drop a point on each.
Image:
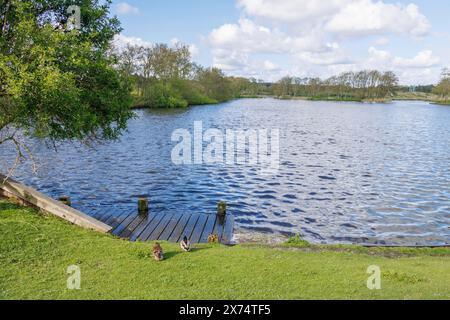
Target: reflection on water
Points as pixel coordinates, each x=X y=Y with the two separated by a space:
x=349 y=173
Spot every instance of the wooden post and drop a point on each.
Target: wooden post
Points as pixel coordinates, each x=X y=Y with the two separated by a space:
x=65 y=200
x=143 y=206
x=222 y=208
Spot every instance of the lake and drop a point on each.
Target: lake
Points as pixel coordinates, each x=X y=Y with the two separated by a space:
x=349 y=172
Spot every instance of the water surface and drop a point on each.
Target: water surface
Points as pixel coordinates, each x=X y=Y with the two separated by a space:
x=350 y=172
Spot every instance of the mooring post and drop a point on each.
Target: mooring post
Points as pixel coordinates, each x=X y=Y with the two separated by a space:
x=65 y=200
x=143 y=206
x=222 y=209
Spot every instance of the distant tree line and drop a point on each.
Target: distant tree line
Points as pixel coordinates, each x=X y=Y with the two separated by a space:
x=346 y=86
x=166 y=76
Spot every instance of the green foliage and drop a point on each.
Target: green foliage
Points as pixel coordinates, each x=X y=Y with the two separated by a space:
x=443 y=88
x=35 y=252
x=191 y=91
x=215 y=84
x=297 y=241
x=160 y=95
x=349 y=86
x=56 y=83
x=165 y=76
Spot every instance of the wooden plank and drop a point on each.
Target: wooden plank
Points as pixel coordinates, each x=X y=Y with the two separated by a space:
x=116 y=221
x=219 y=227
x=228 y=230
x=150 y=227
x=190 y=227
x=13 y=189
x=209 y=228
x=100 y=213
x=125 y=223
x=108 y=215
x=143 y=226
x=128 y=231
x=170 y=227
x=178 y=231
x=160 y=228
x=111 y=218
x=198 y=229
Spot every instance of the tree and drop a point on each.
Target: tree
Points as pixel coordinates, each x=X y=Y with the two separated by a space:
x=56 y=82
x=215 y=84
x=443 y=88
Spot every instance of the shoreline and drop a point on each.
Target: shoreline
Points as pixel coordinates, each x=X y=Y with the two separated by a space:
x=275 y=239
x=35 y=269
x=364 y=101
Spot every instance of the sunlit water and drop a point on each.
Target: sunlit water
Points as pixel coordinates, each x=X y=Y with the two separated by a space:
x=349 y=173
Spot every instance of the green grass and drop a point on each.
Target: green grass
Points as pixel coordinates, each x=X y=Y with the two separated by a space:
x=36 y=250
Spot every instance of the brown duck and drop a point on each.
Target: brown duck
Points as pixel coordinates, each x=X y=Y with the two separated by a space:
x=158 y=252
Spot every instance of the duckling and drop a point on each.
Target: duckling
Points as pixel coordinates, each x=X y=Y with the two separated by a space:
x=185 y=244
x=213 y=238
x=158 y=252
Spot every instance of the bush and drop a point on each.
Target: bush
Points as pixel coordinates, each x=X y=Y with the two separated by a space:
x=191 y=91
x=160 y=95
x=297 y=241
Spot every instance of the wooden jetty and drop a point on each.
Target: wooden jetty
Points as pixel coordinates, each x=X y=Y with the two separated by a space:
x=134 y=225
x=197 y=228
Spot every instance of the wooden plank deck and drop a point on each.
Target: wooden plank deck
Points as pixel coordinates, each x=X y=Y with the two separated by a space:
x=167 y=227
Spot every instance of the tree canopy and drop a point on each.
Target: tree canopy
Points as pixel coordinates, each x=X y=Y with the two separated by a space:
x=166 y=76
x=443 y=88
x=58 y=82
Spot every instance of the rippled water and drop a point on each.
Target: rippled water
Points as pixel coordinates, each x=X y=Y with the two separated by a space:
x=350 y=173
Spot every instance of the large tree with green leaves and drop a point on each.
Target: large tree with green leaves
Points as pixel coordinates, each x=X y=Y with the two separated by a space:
x=57 y=76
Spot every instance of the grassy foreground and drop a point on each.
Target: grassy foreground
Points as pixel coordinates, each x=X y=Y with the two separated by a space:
x=36 y=250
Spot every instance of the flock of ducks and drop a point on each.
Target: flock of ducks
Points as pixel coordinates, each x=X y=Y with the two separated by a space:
x=185 y=245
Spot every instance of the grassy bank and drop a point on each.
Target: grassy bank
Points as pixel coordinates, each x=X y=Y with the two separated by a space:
x=415 y=96
x=36 y=250
x=444 y=103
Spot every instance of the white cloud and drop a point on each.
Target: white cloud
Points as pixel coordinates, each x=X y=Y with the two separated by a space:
x=194 y=50
x=125 y=9
x=270 y=66
x=309 y=36
x=292 y=11
x=383 y=41
x=342 y=17
x=423 y=68
x=365 y=17
x=424 y=59
x=251 y=37
x=325 y=58
x=384 y=59
x=121 y=41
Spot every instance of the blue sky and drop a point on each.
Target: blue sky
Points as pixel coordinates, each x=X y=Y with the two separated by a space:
x=268 y=39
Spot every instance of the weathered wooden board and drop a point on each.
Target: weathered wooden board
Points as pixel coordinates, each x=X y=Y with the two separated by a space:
x=12 y=189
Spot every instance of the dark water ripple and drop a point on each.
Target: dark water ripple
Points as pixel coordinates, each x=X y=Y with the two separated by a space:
x=350 y=173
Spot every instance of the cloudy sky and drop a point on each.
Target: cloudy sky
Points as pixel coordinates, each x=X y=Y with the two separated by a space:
x=268 y=39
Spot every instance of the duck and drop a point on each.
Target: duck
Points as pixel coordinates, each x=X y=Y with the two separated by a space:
x=158 y=252
x=213 y=238
x=185 y=244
